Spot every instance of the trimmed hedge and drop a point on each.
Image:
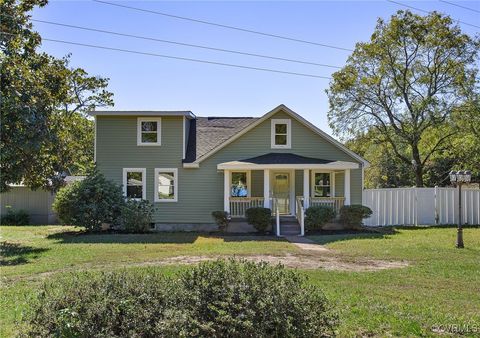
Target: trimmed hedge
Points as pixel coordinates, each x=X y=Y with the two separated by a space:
x=317 y=216
x=352 y=215
x=260 y=218
x=214 y=299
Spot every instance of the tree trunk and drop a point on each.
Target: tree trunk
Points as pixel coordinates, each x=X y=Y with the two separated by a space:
x=417 y=166
x=418 y=176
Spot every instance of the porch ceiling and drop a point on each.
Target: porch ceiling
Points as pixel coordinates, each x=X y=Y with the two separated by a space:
x=286 y=161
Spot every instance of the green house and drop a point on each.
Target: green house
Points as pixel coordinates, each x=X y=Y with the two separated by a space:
x=189 y=166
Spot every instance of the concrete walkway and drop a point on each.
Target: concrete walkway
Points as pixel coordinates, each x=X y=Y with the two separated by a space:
x=305 y=243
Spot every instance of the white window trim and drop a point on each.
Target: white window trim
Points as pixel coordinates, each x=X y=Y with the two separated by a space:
x=144 y=181
x=332 y=182
x=288 y=122
x=175 y=185
x=139 y=131
x=249 y=180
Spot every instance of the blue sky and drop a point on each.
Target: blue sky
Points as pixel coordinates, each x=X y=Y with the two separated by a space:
x=150 y=83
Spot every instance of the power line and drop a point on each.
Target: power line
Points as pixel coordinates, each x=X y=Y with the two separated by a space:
x=225 y=26
x=425 y=11
x=181 y=58
x=185 y=44
x=461 y=6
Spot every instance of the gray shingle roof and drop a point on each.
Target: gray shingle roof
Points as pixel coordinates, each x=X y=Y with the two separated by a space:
x=284 y=158
x=208 y=133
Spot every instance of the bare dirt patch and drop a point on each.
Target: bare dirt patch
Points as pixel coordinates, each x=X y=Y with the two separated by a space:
x=313 y=256
x=292 y=261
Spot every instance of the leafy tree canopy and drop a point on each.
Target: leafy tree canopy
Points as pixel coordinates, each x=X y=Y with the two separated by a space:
x=405 y=84
x=45 y=132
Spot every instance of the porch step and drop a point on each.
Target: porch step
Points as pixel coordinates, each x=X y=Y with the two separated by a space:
x=289 y=226
x=288 y=218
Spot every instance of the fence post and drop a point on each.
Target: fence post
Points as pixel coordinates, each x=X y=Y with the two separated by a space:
x=435 y=198
x=415 y=205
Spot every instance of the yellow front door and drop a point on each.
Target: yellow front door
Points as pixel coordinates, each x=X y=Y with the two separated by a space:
x=281 y=191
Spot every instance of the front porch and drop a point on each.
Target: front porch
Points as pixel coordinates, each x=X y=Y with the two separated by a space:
x=238 y=205
x=286 y=183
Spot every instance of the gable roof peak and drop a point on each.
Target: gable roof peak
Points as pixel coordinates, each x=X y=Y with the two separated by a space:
x=256 y=121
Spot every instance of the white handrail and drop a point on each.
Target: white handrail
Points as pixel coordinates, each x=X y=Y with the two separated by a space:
x=301 y=215
x=302 y=222
x=277 y=217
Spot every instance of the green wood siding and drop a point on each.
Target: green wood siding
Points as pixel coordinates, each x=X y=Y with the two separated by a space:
x=200 y=190
x=257 y=183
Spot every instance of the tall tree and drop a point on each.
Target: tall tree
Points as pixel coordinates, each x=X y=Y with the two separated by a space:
x=45 y=132
x=405 y=83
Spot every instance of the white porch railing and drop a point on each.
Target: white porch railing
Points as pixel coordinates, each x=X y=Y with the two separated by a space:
x=334 y=202
x=238 y=205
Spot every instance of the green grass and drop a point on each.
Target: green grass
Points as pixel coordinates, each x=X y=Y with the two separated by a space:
x=441 y=285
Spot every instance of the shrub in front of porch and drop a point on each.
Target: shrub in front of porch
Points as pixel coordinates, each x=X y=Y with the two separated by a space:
x=260 y=218
x=221 y=218
x=352 y=215
x=317 y=216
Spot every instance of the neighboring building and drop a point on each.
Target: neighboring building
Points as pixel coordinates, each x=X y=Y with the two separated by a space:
x=189 y=166
x=37 y=203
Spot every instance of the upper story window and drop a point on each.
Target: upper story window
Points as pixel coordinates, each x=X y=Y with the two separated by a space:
x=166 y=185
x=134 y=183
x=322 y=184
x=281 y=133
x=149 y=131
x=239 y=184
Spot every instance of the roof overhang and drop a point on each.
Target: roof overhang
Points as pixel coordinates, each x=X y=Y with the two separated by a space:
x=187 y=114
x=242 y=165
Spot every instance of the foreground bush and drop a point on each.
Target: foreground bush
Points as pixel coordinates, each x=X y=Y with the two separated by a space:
x=136 y=216
x=214 y=299
x=15 y=217
x=245 y=299
x=90 y=202
x=260 y=218
x=317 y=216
x=352 y=215
x=107 y=304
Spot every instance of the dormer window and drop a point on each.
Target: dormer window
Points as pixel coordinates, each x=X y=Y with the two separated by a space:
x=149 y=131
x=281 y=133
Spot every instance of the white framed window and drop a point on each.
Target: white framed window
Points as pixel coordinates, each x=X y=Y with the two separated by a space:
x=281 y=133
x=166 y=185
x=149 y=131
x=323 y=184
x=134 y=183
x=240 y=184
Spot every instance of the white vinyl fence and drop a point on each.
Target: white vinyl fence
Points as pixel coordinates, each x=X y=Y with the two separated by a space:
x=417 y=206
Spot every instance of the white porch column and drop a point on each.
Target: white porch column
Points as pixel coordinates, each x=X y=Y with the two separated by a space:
x=266 y=188
x=226 y=190
x=347 y=186
x=306 y=188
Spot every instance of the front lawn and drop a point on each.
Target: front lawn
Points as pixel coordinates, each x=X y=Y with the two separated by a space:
x=439 y=287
